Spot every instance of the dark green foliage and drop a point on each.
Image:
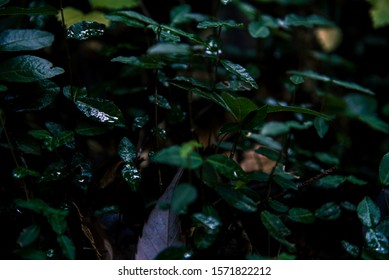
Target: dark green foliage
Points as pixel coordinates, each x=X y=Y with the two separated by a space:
x=276 y=132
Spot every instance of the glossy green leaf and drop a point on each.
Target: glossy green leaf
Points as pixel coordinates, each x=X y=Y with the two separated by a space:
x=55 y=171
x=236 y=199
x=170 y=49
x=67 y=246
x=384 y=170
x=114 y=5
x=28 y=68
x=301 y=215
x=240 y=72
x=100 y=110
x=25 y=39
x=218 y=24
x=183 y=195
x=296 y=79
x=146 y=62
x=20 y=172
x=28 y=235
x=352 y=249
x=173 y=156
x=84 y=30
x=275 y=109
x=125 y=20
x=328 y=211
x=330 y=181
x=276 y=228
x=13 y=11
x=226 y=166
x=161 y=101
x=37 y=205
x=321 y=126
x=258 y=30
x=278 y=206
x=127 y=151
x=285 y=183
x=239 y=107
x=368 y=212
x=91 y=129
x=209 y=219
x=377 y=242
x=315 y=76
x=179 y=32
x=132 y=176
x=40 y=134
x=137 y=16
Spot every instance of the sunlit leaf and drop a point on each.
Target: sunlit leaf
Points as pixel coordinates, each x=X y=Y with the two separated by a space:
x=368 y=212
x=28 y=68
x=174 y=156
x=183 y=195
x=73 y=16
x=132 y=176
x=84 y=30
x=384 y=170
x=100 y=110
x=67 y=246
x=301 y=215
x=240 y=72
x=127 y=151
x=28 y=235
x=328 y=211
x=379 y=13
x=25 y=39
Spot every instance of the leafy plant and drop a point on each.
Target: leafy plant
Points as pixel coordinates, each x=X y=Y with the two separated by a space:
x=128 y=131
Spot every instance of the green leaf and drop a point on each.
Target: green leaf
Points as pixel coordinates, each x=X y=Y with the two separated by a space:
x=258 y=30
x=375 y=123
x=174 y=156
x=226 y=166
x=239 y=71
x=84 y=30
x=275 y=109
x=236 y=199
x=254 y=118
x=100 y=110
x=321 y=126
x=352 y=249
x=24 y=39
x=170 y=49
x=269 y=153
x=14 y=11
x=57 y=219
x=183 y=195
x=330 y=181
x=379 y=13
x=91 y=129
x=285 y=183
x=73 y=16
x=127 y=151
x=220 y=23
x=276 y=229
x=145 y=62
x=40 y=134
x=278 y=206
x=3 y=2
x=140 y=121
x=327 y=158
x=125 y=20
x=28 y=68
x=20 y=172
x=3 y=88
x=315 y=76
x=368 y=212
x=296 y=79
x=28 y=235
x=29 y=253
x=301 y=215
x=377 y=242
x=161 y=101
x=67 y=246
x=209 y=219
x=384 y=170
x=137 y=16
x=239 y=107
x=55 y=171
x=383 y=227
x=182 y=33
x=114 y=5
x=132 y=176
x=310 y=21
x=328 y=211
